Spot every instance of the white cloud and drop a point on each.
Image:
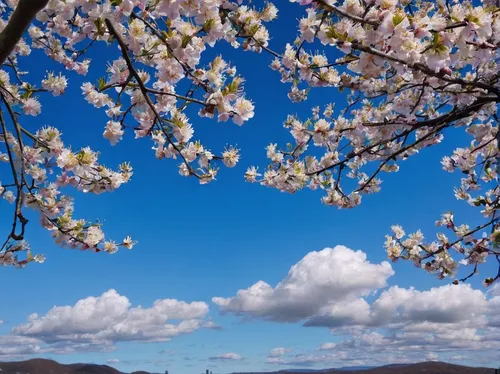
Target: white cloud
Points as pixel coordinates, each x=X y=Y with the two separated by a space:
x=329 y=288
x=493 y=308
x=323 y=279
x=340 y=289
x=431 y=356
x=341 y=314
x=212 y=325
x=443 y=319
x=227 y=357
x=18 y=346
x=445 y=304
x=495 y=289
x=342 y=355
x=278 y=352
x=138 y=362
x=308 y=359
x=14 y=346
x=110 y=318
x=327 y=346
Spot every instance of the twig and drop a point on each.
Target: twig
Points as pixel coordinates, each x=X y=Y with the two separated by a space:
x=144 y=90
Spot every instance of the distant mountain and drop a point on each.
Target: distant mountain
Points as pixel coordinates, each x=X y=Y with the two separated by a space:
x=347 y=368
x=356 y=368
x=43 y=366
x=93 y=368
x=419 y=368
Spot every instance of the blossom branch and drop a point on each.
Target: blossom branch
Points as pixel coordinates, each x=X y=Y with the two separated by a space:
x=22 y=16
x=144 y=91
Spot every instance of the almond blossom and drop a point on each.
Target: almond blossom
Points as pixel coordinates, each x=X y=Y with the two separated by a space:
x=410 y=71
x=146 y=90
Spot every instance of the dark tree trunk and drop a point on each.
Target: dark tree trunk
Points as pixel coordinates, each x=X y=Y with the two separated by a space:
x=18 y=23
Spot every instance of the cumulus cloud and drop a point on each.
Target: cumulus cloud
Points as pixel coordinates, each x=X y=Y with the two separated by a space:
x=308 y=359
x=447 y=319
x=327 y=346
x=138 y=362
x=18 y=346
x=343 y=355
x=339 y=289
x=212 y=325
x=323 y=279
x=371 y=349
x=110 y=318
x=495 y=290
x=227 y=357
x=431 y=356
x=278 y=352
x=97 y=323
x=445 y=304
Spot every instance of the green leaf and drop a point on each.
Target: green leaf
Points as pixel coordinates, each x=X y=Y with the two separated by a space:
x=398 y=18
x=186 y=39
x=496 y=239
x=208 y=25
x=26 y=95
x=101 y=82
x=332 y=33
x=99 y=23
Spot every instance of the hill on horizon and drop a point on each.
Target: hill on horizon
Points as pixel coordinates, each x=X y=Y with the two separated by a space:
x=45 y=366
x=418 y=368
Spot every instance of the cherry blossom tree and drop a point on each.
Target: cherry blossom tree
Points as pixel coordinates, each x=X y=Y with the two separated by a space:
x=411 y=70
x=161 y=43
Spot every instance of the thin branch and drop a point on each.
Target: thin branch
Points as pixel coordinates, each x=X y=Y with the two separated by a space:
x=187 y=69
x=340 y=12
x=181 y=97
x=21 y=18
x=144 y=90
x=424 y=69
x=16 y=181
x=19 y=214
x=452 y=116
x=400 y=151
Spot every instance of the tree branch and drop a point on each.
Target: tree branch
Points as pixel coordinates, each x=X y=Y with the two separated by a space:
x=21 y=18
x=144 y=90
x=424 y=69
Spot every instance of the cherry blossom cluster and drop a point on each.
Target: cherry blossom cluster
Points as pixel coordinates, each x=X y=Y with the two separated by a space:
x=411 y=71
x=150 y=89
x=479 y=165
x=159 y=74
x=41 y=173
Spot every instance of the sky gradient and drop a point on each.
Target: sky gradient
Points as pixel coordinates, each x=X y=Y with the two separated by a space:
x=199 y=245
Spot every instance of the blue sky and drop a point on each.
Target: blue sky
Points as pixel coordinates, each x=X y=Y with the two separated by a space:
x=197 y=242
